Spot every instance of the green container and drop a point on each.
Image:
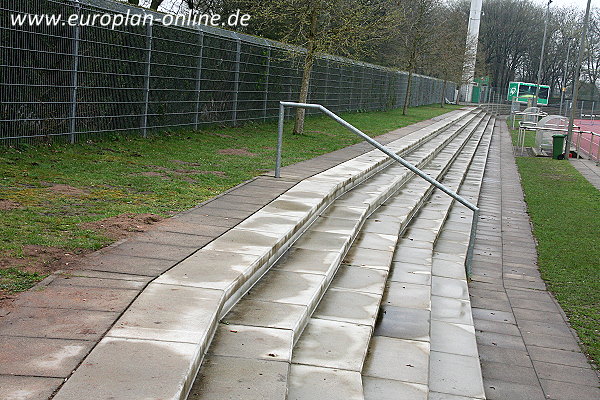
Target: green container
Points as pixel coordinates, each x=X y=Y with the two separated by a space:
x=558 y=144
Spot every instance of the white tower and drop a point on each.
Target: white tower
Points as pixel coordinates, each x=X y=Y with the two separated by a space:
x=466 y=90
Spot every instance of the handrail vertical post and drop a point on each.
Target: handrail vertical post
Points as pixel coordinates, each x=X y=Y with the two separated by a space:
x=279 y=140
x=469 y=259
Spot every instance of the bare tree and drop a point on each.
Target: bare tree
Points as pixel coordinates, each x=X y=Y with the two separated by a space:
x=447 y=52
x=416 y=39
x=342 y=27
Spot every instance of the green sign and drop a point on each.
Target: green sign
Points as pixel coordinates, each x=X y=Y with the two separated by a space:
x=522 y=92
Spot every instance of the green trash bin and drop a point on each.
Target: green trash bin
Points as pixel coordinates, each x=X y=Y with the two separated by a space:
x=558 y=144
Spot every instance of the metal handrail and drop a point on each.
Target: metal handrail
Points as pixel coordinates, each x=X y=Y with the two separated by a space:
x=388 y=152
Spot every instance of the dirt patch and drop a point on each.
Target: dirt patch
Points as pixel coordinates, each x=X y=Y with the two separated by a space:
x=42 y=259
x=45 y=260
x=121 y=226
x=38 y=259
x=6 y=205
x=67 y=190
x=236 y=152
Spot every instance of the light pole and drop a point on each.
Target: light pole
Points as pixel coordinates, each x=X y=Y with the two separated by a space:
x=564 y=80
x=466 y=90
x=576 y=80
x=539 y=75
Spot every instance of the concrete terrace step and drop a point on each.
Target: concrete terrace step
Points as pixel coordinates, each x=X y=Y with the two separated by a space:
x=285 y=298
x=172 y=322
x=328 y=359
x=424 y=342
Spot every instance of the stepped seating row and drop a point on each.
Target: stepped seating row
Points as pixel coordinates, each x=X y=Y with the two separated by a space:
x=322 y=297
x=425 y=313
x=309 y=229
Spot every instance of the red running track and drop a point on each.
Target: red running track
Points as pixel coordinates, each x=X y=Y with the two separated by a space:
x=588 y=144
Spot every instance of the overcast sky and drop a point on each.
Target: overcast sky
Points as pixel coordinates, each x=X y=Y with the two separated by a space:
x=563 y=3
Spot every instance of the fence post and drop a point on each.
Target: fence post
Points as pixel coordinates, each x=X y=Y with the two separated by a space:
x=326 y=85
x=74 y=78
x=362 y=86
x=236 y=79
x=386 y=91
x=268 y=72
x=147 y=80
x=199 y=78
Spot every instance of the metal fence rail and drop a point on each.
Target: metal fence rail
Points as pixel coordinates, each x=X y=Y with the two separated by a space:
x=76 y=83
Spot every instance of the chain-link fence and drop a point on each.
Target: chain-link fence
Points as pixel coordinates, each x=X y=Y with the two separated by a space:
x=74 y=83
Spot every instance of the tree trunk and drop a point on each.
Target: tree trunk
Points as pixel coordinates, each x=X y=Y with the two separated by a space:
x=408 y=87
x=155 y=4
x=443 y=99
x=308 y=66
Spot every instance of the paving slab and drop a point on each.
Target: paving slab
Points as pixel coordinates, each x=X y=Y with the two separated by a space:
x=410 y=273
x=398 y=359
x=348 y=306
x=240 y=379
x=367 y=280
x=509 y=373
x=387 y=389
x=500 y=390
x=505 y=328
x=59 y=323
x=266 y=314
x=453 y=338
x=77 y=298
x=569 y=391
x=332 y=344
x=403 y=323
x=41 y=356
x=408 y=295
x=564 y=373
x=455 y=374
x=27 y=387
x=308 y=382
x=170 y=313
x=120 y=264
x=252 y=342
x=451 y=310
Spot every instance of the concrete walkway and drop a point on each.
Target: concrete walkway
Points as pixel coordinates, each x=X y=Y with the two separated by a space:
x=527 y=349
x=48 y=331
x=589 y=170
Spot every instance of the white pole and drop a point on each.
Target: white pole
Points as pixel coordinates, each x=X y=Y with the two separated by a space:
x=539 y=74
x=471 y=52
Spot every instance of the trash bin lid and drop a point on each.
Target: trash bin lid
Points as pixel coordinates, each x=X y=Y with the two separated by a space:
x=559 y=135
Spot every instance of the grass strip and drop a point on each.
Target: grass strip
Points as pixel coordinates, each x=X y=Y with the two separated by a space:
x=565 y=209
